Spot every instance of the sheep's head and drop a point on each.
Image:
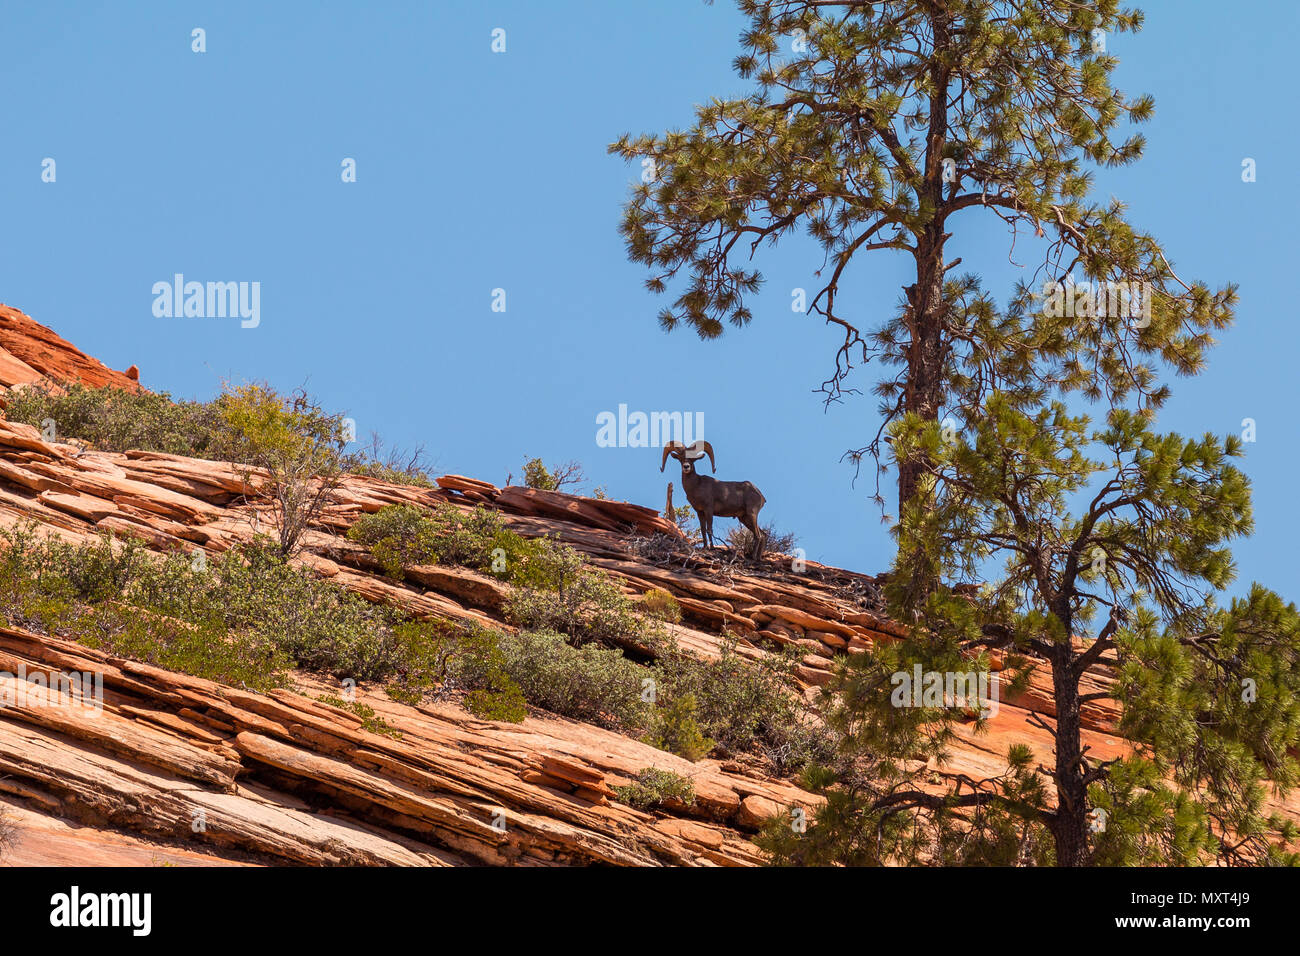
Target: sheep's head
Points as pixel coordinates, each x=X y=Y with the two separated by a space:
x=688 y=455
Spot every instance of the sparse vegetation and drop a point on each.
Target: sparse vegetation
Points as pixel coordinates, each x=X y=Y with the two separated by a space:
x=8 y=834
x=243 y=618
x=370 y=721
x=565 y=595
x=396 y=476
x=559 y=601
x=399 y=536
x=394 y=465
x=661 y=605
x=287 y=447
x=248 y=616
x=653 y=787
x=747 y=705
x=296 y=445
x=741 y=539
x=112 y=419
x=660 y=549
x=537 y=475
x=676 y=730
x=590 y=683
x=95 y=595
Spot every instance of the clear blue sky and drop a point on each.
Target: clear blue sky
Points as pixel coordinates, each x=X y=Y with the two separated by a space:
x=479 y=171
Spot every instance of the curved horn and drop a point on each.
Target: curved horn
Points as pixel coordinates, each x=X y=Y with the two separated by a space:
x=674 y=448
x=708 y=450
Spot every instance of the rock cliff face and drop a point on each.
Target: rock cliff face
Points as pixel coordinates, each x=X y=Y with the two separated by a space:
x=285 y=777
x=180 y=770
x=29 y=352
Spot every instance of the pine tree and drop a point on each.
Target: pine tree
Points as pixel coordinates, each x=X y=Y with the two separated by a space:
x=1112 y=542
x=1029 y=539
x=887 y=125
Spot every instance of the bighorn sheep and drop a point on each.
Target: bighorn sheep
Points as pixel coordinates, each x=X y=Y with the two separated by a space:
x=716 y=499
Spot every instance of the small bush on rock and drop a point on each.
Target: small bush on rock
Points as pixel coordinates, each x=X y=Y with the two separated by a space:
x=589 y=683
x=398 y=536
x=747 y=705
x=661 y=605
x=653 y=787
x=677 y=731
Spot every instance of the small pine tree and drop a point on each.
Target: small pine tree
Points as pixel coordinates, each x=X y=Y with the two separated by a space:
x=1112 y=542
x=537 y=475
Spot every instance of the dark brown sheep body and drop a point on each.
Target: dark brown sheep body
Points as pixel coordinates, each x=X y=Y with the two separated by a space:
x=716 y=499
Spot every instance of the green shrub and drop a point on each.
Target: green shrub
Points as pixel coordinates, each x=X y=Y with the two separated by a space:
x=251 y=606
x=589 y=683
x=318 y=624
x=537 y=475
x=467 y=538
x=653 y=787
x=419 y=659
x=550 y=566
x=112 y=419
x=370 y=721
x=687 y=523
x=25 y=580
x=398 y=536
x=586 y=683
x=477 y=665
x=661 y=605
x=479 y=539
x=102 y=571
x=502 y=701
x=204 y=648
x=677 y=731
x=293 y=450
x=746 y=705
x=563 y=594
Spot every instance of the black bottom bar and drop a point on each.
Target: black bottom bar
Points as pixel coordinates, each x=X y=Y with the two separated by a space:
x=606 y=907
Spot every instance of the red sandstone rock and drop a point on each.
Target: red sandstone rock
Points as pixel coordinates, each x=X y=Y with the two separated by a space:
x=285 y=778
x=30 y=352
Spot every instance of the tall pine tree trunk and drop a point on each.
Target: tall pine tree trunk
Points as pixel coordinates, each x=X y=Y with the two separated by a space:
x=923 y=391
x=923 y=397
x=1069 y=824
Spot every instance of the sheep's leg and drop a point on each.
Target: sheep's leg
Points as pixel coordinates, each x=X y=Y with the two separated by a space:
x=751 y=522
